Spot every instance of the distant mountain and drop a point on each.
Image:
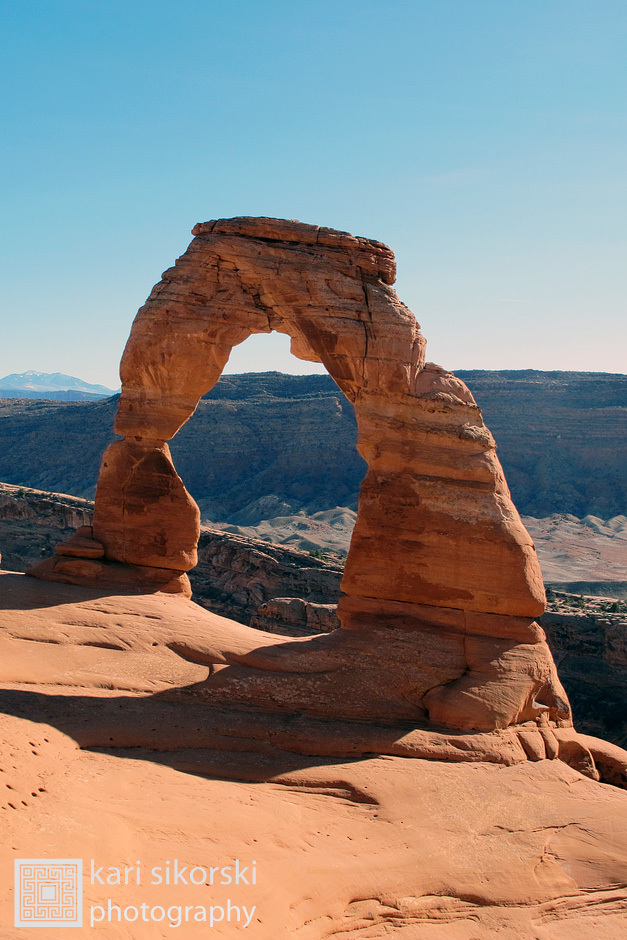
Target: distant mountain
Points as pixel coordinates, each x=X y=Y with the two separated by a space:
x=51 y=385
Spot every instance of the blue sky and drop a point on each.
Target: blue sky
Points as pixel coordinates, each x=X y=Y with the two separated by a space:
x=484 y=141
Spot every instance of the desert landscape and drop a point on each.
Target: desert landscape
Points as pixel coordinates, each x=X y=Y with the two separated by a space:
x=336 y=711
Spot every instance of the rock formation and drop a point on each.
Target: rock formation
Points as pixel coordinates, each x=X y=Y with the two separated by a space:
x=414 y=771
x=442 y=582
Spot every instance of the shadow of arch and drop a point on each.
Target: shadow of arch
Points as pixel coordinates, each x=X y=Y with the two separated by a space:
x=167 y=728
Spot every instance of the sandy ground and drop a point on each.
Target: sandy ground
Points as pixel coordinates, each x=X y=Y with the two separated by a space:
x=376 y=847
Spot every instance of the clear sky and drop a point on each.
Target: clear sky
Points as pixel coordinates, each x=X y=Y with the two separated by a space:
x=484 y=141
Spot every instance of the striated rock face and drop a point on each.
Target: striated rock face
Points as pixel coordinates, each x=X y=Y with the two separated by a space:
x=54 y=512
x=442 y=581
x=590 y=648
x=31 y=521
x=293 y=616
x=235 y=575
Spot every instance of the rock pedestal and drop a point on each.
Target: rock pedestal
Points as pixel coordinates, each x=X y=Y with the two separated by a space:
x=442 y=582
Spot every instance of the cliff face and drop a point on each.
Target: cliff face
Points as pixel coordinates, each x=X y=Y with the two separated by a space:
x=32 y=521
x=234 y=452
x=561 y=439
x=237 y=576
x=590 y=650
x=53 y=445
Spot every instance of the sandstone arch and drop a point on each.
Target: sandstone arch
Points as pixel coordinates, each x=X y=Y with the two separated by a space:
x=442 y=582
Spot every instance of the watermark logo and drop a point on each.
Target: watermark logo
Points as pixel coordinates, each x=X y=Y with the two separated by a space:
x=48 y=892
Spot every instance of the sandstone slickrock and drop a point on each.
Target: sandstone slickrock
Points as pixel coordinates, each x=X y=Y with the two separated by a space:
x=357 y=829
x=130 y=643
x=441 y=578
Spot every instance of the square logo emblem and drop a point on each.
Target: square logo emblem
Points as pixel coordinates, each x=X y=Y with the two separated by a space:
x=48 y=892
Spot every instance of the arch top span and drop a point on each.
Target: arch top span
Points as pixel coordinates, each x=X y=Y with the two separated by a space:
x=374 y=257
x=328 y=290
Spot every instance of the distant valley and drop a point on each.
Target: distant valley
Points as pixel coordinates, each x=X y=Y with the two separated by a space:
x=265 y=445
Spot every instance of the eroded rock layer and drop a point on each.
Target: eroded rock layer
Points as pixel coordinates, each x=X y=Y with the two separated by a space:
x=442 y=581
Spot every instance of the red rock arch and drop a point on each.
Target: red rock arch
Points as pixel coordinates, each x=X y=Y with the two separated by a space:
x=428 y=452
x=439 y=557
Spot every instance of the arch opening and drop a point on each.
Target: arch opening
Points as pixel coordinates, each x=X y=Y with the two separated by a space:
x=274 y=444
x=269 y=352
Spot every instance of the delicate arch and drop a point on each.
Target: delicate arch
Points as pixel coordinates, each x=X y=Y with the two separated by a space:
x=434 y=503
x=441 y=582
